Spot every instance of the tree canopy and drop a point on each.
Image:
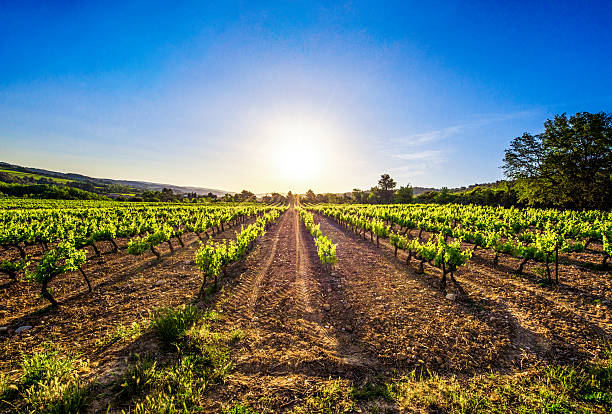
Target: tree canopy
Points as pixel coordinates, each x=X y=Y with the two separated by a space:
x=567 y=165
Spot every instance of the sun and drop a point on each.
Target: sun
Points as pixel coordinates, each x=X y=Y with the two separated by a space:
x=297 y=159
x=299 y=151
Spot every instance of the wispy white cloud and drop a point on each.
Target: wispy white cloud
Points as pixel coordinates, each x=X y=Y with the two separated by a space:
x=429 y=155
x=428 y=137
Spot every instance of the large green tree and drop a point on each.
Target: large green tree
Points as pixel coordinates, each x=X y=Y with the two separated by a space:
x=386 y=184
x=567 y=165
x=404 y=195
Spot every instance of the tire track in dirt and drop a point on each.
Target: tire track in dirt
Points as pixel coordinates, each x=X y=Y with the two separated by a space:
x=301 y=275
x=284 y=302
x=257 y=280
x=330 y=325
x=290 y=341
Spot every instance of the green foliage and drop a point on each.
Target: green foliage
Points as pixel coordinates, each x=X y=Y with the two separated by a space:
x=568 y=165
x=239 y=409
x=170 y=323
x=138 y=245
x=65 y=258
x=48 y=191
x=370 y=391
x=119 y=333
x=325 y=248
x=179 y=387
x=212 y=257
x=404 y=195
x=450 y=254
x=607 y=245
x=332 y=397
x=13 y=268
x=49 y=383
x=558 y=389
x=139 y=377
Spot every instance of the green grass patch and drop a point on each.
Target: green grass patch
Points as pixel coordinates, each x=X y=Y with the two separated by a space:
x=549 y=389
x=139 y=377
x=49 y=382
x=239 y=409
x=201 y=360
x=170 y=323
x=333 y=397
x=370 y=392
x=120 y=333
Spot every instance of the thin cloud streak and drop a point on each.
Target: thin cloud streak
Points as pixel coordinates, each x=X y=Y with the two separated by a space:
x=430 y=155
x=428 y=137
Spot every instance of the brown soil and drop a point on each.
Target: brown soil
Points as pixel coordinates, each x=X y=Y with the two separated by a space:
x=565 y=323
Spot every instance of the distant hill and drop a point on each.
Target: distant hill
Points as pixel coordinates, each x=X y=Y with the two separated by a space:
x=420 y=190
x=97 y=185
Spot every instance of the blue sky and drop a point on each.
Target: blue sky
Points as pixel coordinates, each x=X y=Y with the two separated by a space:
x=278 y=96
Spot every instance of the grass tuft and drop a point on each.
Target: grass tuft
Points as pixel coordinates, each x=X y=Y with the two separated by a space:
x=171 y=323
x=369 y=392
x=333 y=397
x=139 y=377
x=179 y=387
x=239 y=409
x=550 y=389
x=119 y=333
x=49 y=383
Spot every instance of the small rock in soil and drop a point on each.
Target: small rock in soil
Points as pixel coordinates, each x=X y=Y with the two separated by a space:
x=326 y=307
x=23 y=328
x=451 y=296
x=3 y=330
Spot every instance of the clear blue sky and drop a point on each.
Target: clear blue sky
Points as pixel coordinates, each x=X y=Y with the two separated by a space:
x=273 y=96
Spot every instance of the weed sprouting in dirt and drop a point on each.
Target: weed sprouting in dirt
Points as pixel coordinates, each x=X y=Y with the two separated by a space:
x=236 y=335
x=239 y=409
x=373 y=391
x=201 y=360
x=332 y=397
x=170 y=323
x=119 y=333
x=139 y=377
x=49 y=382
x=563 y=389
